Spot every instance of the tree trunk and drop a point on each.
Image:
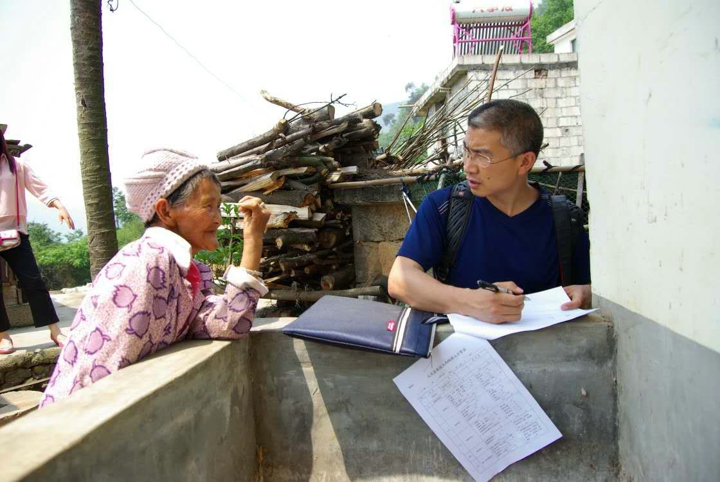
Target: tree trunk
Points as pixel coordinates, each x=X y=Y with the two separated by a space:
x=86 y=34
x=338 y=280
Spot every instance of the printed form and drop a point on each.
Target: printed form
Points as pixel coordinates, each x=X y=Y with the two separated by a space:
x=476 y=405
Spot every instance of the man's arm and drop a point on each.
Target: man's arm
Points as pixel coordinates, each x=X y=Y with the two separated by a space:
x=408 y=282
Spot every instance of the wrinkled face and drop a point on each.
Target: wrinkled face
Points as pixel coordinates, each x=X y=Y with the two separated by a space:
x=198 y=219
x=488 y=180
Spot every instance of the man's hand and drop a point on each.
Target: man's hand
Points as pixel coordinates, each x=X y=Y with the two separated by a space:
x=496 y=307
x=580 y=297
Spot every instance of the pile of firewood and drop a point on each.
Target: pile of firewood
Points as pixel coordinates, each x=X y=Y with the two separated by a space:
x=308 y=246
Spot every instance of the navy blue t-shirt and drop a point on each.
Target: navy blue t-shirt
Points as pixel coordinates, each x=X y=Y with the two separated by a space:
x=497 y=247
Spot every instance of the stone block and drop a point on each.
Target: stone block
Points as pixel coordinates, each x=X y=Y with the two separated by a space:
x=368 y=195
x=374 y=259
x=16 y=377
x=549 y=122
x=529 y=59
x=549 y=58
x=568 y=121
x=386 y=222
x=554 y=132
x=574 y=91
x=550 y=111
x=570 y=112
x=554 y=73
x=551 y=102
x=538 y=104
x=553 y=93
x=568 y=141
x=570 y=73
x=567 y=102
x=19 y=315
x=567 y=82
x=568 y=57
x=42 y=371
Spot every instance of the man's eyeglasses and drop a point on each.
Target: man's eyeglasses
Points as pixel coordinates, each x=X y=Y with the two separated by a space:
x=481 y=159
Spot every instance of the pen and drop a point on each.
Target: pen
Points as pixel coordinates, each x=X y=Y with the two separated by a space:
x=497 y=289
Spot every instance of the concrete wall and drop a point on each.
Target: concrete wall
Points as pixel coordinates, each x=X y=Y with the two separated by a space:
x=182 y=414
x=552 y=87
x=312 y=412
x=328 y=413
x=651 y=114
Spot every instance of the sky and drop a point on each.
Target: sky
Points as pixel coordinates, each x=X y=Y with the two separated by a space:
x=158 y=96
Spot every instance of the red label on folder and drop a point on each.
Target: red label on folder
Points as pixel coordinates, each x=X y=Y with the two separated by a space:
x=391 y=325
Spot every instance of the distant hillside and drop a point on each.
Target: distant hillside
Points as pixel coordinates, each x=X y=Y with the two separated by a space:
x=393 y=108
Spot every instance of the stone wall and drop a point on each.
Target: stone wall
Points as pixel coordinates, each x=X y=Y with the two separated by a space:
x=379 y=226
x=18 y=369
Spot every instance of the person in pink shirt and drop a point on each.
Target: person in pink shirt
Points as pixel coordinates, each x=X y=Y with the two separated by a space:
x=152 y=293
x=15 y=178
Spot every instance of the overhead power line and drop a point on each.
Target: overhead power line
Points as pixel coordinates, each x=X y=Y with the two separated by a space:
x=206 y=69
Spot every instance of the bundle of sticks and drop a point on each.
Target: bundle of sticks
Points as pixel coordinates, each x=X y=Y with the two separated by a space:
x=308 y=245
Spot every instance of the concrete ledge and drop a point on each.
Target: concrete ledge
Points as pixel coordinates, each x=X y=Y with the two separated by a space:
x=203 y=410
x=182 y=414
x=328 y=413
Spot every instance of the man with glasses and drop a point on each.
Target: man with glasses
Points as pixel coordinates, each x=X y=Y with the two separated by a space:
x=510 y=237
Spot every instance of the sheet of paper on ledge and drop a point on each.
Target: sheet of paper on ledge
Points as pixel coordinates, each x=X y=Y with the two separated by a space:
x=541 y=311
x=476 y=406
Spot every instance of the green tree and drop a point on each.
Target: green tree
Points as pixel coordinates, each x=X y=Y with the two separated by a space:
x=414 y=93
x=548 y=17
x=87 y=46
x=42 y=235
x=122 y=215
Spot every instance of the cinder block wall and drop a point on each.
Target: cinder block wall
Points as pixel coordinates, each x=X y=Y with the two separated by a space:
x=548 y=82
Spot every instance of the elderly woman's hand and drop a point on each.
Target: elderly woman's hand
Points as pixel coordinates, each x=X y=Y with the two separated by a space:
x=256 y=216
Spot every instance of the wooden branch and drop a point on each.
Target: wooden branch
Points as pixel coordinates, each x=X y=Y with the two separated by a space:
x=286 y=198
x=312 y=296
x=279 y=128
x=494 y=73
x=317 y=221
x=282 y=103
x=295 y=236
x=339 y=279
x=329 y=238
x=262 y=182
x=275 y=210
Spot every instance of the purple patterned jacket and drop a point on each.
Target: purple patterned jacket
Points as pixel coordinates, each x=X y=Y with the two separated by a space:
x=142 y=302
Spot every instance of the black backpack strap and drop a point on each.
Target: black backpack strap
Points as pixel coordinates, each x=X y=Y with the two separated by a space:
x=461 y=201
x=568 y=223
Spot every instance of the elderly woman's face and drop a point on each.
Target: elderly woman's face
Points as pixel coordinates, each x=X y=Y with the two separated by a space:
x=198 y=218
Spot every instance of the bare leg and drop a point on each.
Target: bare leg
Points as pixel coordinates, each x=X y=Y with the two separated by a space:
x=56 y=334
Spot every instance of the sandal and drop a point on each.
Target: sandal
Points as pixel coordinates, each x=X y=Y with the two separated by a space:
x=58 y=342
x=7 y=351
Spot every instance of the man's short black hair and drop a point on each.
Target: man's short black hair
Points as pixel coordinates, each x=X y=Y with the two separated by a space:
x=520 y=127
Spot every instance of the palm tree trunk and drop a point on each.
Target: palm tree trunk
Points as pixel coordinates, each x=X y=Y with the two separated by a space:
x=86 y=31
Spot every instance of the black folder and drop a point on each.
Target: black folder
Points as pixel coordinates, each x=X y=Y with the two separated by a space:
x=366 y=325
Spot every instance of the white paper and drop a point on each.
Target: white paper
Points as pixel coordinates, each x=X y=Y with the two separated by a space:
x=541 y=311
x=476 y=405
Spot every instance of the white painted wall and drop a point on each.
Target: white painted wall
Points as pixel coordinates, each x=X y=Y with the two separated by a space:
x=650 y=101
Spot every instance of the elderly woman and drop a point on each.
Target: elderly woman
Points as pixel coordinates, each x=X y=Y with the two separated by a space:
x=152 y=293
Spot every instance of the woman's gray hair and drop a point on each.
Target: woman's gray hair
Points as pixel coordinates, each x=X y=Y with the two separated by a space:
x=180 y=195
